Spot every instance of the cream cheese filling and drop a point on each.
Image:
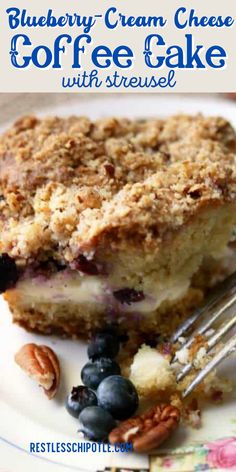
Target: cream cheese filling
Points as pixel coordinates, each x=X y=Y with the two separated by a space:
x=68 y=287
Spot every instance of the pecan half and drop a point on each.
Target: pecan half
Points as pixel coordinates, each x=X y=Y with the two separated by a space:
x=149 y=430
x=41 y=364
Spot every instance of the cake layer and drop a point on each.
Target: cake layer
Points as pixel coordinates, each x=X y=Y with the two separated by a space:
x=135 y=285
x=109 y=221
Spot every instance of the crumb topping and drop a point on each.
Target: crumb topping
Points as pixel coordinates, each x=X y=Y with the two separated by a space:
x=69 y=185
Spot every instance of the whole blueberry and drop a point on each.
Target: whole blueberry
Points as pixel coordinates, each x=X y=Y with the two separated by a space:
x=94 y=372
x=118 y=396
x=104 y=344
x=96 y=423
x=8 y=272
x=80 y=398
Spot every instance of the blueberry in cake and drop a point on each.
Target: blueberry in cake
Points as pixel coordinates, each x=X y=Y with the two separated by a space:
x=122 y=222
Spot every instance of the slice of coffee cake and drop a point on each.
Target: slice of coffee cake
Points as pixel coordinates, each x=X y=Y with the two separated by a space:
x=109 y=222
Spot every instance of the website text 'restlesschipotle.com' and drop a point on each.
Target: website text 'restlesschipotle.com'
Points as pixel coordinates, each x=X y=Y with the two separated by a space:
x=78 y=447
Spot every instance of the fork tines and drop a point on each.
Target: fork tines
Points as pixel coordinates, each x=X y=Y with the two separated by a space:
x=221 y=303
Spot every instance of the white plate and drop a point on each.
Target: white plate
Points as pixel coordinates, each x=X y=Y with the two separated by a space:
x=25 y=413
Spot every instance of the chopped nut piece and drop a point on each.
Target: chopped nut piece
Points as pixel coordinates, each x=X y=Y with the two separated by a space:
x=110 y=169
x=146 y=208
x=149 y=430
x=41 y=364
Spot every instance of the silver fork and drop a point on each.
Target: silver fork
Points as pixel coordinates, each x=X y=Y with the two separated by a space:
x=220 y=303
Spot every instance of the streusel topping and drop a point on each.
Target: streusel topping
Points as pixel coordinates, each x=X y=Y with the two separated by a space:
x=69 y=184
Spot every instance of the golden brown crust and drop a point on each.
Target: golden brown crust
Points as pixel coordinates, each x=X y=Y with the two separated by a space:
x=70 y=185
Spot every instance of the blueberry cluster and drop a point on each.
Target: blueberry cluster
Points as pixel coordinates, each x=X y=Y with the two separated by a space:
x=8 y=272
x=115 y=398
